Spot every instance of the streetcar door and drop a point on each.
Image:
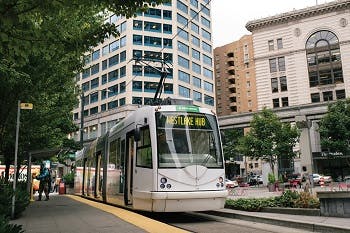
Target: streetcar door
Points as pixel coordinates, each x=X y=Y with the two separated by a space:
x=129 y=160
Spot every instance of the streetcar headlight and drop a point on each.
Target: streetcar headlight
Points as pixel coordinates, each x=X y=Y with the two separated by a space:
x=218 y=185
x=168 y=186
x=221 y=179
x=163 y=180
x=162 y=186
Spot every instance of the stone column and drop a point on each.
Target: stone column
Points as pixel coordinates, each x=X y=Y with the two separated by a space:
x=305 y=144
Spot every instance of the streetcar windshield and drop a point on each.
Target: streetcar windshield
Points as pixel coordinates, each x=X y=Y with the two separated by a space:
x=186 y=139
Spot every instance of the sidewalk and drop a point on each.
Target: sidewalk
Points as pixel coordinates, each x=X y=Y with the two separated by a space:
x=72 y=214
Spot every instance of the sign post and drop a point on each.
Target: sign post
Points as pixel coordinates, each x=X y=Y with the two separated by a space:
x=20 y=106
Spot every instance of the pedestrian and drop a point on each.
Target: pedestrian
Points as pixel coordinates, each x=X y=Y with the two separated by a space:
x=45 y=180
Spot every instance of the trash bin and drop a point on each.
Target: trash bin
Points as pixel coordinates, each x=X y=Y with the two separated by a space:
x=62 y=188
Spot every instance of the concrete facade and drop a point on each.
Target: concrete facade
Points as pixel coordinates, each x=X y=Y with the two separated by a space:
x=115 y=84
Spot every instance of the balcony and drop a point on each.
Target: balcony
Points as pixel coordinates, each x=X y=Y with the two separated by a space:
x=232 y=87
x=232 y=78
x=233 y=104
x=232 y=95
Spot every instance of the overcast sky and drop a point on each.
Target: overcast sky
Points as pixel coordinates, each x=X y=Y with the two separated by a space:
x=229 y=17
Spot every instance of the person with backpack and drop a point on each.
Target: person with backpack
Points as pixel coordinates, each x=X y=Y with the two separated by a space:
x=45 y=178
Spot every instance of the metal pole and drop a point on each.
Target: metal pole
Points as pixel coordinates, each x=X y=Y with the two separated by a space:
x=15 y=163
x=29 y=173
x=82 y=99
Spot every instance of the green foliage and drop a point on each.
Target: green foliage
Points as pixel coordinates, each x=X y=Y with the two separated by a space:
x=68 y=178
x=6 y=194
x=269 y=138
x=5 y=226
x=250 y=204
x=290 y=199
x=271 y=178
x=41 y=48
x=230 y=141
x=334 y=127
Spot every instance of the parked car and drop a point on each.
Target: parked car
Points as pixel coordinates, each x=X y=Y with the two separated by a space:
x=231 y=183
x=316 y=178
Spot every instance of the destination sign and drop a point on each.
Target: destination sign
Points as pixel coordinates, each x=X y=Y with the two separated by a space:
x=192 y=121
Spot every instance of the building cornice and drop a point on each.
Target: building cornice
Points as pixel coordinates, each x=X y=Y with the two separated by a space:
x=298 y=14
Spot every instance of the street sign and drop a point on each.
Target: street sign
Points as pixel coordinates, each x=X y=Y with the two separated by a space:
x=26 y=106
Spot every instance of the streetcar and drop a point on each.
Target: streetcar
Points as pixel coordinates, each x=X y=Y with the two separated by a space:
x=165 y=158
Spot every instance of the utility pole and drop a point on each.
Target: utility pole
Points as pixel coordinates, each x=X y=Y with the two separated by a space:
x=82 y=101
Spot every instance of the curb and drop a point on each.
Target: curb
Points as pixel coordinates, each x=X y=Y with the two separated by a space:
x=314 y=227
x=294 y=211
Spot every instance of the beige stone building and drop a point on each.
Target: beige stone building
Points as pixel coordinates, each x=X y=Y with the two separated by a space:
x=235 y=77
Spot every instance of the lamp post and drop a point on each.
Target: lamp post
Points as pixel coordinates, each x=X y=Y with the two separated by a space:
x=19 y=107
x=82 y=101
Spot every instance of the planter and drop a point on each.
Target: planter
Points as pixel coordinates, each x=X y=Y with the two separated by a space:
x=271 y=187
x=281 y=187
x=334 y=204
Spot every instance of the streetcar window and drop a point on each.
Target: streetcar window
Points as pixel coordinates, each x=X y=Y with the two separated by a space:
x=186 y=139
x=144 y=149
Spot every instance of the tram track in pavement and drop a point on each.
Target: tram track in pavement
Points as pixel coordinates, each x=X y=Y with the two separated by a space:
x=200 y=222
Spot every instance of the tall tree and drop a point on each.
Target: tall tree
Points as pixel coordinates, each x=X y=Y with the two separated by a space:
x=269 y=138
x=334 y=128
x=41 y=48
x=230 y=141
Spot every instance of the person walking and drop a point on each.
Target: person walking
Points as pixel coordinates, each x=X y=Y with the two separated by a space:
x=45 y=179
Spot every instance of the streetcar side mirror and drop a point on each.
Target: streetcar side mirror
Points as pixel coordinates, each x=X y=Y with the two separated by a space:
x=137 y=134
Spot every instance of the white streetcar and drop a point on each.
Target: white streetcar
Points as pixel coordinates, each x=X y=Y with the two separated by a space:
x=160 y=158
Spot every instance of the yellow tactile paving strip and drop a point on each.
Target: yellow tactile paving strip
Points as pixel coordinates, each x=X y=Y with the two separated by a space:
x=138 y=220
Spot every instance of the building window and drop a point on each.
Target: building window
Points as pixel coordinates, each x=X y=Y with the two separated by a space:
x=154 y=13
x=182 y=33
x=281 y=64
x=168 y=88
x=182 y=20
x=166 y=14
x=137 y=85
x=283 y=83
x=96 y=55
x=152 y=27
x=137 y=39
x=276 y=103
x=195 y=28
x=182 y=47
x=197 y=82
x=196 y=54
x=271 y=45
x=208 y=100
x=284 y=101
x=273 y=66
x=182 y=7
x=327 y=96
x=195 y=41
x=196 y=68
x=207 y=60
x=183 y=62
x=183 y=91
x=137 y=100
x=340 y=94
x=185 y=77
x=206 y=47
x=137 y=25
x=279 y=43
x=208 y=87
x=167 y=43
x=194 y=15
x=197 y=96
x=324 y=60
x=167 y=28
x=315 y=98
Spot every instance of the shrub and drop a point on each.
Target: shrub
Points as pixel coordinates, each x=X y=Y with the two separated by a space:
x=6 y=194
x=5 y=226
x=271 y=178
x=69 y=179
x=287 y=199
x=306 y=200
